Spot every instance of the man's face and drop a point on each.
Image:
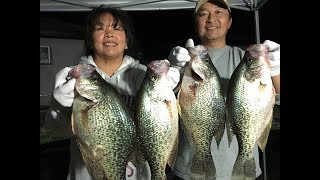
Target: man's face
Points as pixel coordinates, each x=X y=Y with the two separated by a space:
x=212 y=22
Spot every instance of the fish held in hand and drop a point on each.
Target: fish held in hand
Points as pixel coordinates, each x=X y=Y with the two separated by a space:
x=202 y=110
x=156 y=118
x=250 y=101
x=101 y=124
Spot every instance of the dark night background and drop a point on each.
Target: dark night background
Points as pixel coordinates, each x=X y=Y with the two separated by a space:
x=156 y=32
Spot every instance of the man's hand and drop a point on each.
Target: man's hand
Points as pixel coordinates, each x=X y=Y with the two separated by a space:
x=174 y=77
x=63 y=88
x=274 y=56
x=179 y=56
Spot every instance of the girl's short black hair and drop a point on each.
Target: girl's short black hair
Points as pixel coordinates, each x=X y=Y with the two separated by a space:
x=120 y=17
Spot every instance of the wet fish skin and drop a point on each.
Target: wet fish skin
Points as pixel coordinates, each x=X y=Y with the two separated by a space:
x=102 y=125
x=157 y=119
x=250 y=101
x=202 y=110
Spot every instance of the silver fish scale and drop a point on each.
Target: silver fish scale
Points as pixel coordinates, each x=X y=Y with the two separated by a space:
x=104 y=130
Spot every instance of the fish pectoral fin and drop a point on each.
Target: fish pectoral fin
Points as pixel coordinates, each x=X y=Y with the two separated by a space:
x=94 y=152
x=263 y=139
x=85 y=148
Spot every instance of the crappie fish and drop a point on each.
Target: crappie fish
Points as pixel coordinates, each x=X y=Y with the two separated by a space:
x=250 y=101
x=202 y=110
x=156 y=118
x=101 y=124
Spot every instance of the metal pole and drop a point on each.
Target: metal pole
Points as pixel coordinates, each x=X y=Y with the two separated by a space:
x=256 y=23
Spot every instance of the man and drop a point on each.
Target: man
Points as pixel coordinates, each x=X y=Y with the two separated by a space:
x=212 y=21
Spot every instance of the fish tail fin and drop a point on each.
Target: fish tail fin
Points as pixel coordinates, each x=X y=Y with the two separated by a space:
x=219 y=133
x=244 y=169
x=229 y=129
x=138 y=160
x=203 y=167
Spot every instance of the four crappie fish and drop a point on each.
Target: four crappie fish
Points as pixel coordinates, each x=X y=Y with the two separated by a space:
x=202 y=110
x=156 y=118
x=101 y=124
x=250 y=101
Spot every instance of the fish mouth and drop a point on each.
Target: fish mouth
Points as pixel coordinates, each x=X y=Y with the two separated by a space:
x=197 y=75
x=197 y=53
x=81 y=70
x=198 y=50
x=83 y=86
x=256 y=50
x=195 y=72
x=255 y=65
x=159 y=67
